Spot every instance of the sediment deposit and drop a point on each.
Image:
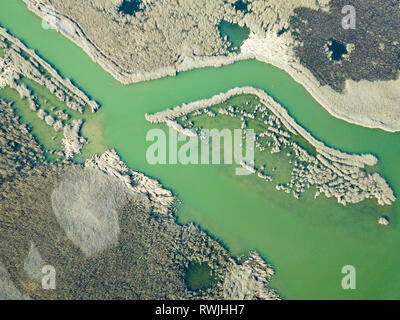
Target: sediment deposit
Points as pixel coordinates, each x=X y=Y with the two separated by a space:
x=248 y=280
x=383 y=221
x=72 y=141
x=332 y=172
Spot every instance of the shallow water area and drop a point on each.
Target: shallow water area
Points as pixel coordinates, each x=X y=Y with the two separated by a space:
x=307 y=241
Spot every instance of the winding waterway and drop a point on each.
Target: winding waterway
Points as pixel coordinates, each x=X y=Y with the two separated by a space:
x=308 y=241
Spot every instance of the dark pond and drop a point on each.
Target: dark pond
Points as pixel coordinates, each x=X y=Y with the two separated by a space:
x=337 y=48
x=199 y=276
x=240 y=5
x=130 y=7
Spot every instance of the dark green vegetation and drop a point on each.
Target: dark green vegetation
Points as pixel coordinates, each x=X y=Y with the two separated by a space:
x=376 y=41
x=235 y=34
x=149 y=261
x=43 y=133
x=18 y=149
x=199 y=276
x=130 y=7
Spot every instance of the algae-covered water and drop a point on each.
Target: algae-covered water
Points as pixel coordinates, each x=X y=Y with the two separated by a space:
x=308 y=241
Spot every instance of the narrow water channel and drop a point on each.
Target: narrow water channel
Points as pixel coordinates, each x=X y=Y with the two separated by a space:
x=308 y=241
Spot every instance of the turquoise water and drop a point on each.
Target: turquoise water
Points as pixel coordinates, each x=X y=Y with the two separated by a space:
x=308 y=241
x=236 y=35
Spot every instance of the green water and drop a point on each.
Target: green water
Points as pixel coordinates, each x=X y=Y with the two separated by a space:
x=309 y=241
x=236 y=34
x=199 y=276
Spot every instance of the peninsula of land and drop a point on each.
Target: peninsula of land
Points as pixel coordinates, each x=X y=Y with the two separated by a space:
x=333 y=173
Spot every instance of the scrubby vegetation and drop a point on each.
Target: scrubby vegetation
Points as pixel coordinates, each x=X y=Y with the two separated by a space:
x=152 y=38
x=149 y=260
x=102 y=245
x=151 y=35
x=18 y=149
